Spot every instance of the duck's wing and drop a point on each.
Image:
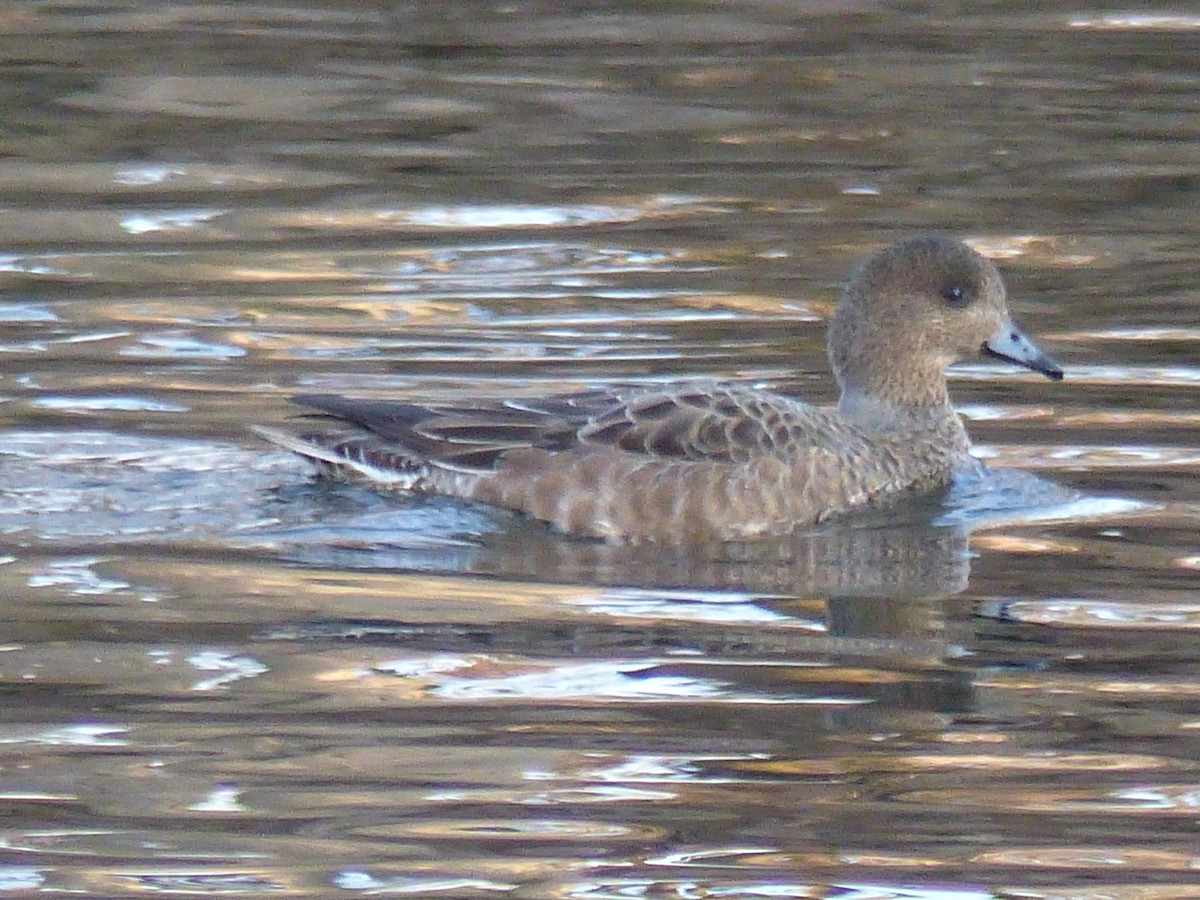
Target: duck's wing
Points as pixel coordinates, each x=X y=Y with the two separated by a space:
x=698 y=422
x=707 y=422
x=467 y=437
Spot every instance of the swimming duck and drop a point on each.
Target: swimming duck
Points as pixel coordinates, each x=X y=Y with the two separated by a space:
x=705 y=460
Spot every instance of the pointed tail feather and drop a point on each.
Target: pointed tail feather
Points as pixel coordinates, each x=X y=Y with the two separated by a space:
x=350 y=455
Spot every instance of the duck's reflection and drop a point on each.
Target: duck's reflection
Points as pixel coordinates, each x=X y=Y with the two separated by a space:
x=853 y=614
x=900 y=553
x=902 y=559
x=863 y=592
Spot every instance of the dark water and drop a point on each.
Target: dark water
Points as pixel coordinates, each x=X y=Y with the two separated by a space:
x=221 y=677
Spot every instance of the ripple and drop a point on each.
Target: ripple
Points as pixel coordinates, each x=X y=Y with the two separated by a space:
x=144 y=180
x=600 y=682
x=228 y=669
x=22 y=878
x=495 y=271
x=221 y=799
x=263 y=98
x=420 y=886
x=1090 y=857
x=571 y=796
x=70 y=448
x=179 y=345
x=68 y=736
x=988 y=497
x=1126 y=688
x=785 y=889
x=1076 y=457
x=514 y=830
x=1045 y=250
x=487 y=678
x=654 y=769
x=26 y=312
x=1148 y=333
x=106 y=404
x=1079 y=510
x=980 y=412
x=205 y=883
x=507 y=216
x=77 y=574
x=1136 y=22
x=694 y=607
x=1160 y=376
x=169 y=222
x=1145 y=801
x=1086 y=613
x=1140 y=418
x=112 y=487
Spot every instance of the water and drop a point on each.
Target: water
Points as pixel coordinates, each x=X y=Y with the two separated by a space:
x=223 y=677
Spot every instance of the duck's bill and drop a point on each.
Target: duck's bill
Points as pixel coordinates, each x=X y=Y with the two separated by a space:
x=1011 y=346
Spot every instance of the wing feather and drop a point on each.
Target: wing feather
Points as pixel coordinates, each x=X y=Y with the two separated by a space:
x=719 y=423
x=698 y=422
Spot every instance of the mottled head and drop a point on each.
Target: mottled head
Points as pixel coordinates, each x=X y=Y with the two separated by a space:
x=911 y=311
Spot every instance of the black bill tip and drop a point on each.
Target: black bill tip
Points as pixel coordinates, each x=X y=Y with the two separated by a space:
x=1039 y=363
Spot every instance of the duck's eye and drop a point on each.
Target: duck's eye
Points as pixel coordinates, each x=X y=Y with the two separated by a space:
x=956 y=295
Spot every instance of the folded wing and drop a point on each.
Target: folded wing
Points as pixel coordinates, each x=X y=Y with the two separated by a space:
x=700 y=422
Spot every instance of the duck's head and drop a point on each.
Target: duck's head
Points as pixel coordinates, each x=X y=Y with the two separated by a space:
x=914 y=309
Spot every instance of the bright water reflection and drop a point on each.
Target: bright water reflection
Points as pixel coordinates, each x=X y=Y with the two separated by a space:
x=221 y=677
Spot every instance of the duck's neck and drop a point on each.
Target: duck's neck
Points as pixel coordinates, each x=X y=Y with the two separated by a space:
x=921 y=397
x=876 y=413
x=865 y=407
x=917 y=382
x=935 y=425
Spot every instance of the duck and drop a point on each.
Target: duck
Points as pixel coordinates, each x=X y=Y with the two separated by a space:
x=709 y=460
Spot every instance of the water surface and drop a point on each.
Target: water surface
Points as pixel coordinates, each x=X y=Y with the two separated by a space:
x=223 y=677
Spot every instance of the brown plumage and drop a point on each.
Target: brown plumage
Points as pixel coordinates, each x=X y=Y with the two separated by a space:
x=706 y=460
